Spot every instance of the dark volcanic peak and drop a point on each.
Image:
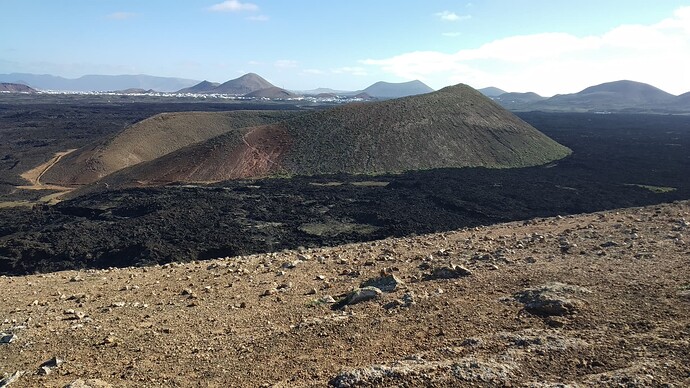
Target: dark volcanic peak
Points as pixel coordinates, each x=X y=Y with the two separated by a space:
x=245 y=84
x=454 y=127
x=272 y=92
x=618 y=96
x=15 y=88
x=491 y=91
x=629 y=90
x=201 y=87
x=396 y=90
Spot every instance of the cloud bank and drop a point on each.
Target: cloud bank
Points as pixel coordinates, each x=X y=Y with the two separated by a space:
x=556 y=62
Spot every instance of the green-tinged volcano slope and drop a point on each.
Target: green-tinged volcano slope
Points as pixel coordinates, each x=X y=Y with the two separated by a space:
x=150 y=139
x=453 y=127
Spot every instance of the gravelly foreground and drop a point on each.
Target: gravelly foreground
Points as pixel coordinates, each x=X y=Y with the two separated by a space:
x=593 y=300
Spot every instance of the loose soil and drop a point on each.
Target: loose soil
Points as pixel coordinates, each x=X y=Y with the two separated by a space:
x=257 y=320
x=34 y=177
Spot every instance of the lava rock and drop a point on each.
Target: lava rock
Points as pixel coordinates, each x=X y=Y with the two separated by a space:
x=448 y=272
x=358 y=295
x=552 y=299
x=387 y=283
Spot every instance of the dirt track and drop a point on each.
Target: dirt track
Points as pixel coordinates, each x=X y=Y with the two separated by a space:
x=262 y=320
x=34 y=177
x=35 y=174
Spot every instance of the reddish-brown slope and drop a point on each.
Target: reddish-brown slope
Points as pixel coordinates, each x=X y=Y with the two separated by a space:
x=150 y=139
x=240 y=153
x=15 y=88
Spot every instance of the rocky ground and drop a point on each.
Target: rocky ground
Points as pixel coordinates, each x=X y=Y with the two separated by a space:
x=598 y=299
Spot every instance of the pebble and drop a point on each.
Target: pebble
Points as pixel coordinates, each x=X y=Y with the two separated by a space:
x=11 y=378
x=91 y=383
x=326 y=299
x=269 y=292
x=7 y=338
x=290 y=264
x=47 y=367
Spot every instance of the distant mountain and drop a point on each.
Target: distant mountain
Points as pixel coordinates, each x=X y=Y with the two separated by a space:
x=272 y=93
x=492 y=91
x=617 y=96
x=611 y=96
x=517 y=100
x=101 y=83
x=684 y=98
x=631 y=91
x=245 y=84
x=453 y=127
x=396 y=90
x=15 y=88
x=201 y=87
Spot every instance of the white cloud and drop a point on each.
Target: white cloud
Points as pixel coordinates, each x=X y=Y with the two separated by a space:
x=259 y=18
x=233 y=6
x=449 y=16
x=356 y=70
x=122 y=15
x=550 y=63
x=285 y=63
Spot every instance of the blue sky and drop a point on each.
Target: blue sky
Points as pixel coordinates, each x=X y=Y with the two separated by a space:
x=546 y=46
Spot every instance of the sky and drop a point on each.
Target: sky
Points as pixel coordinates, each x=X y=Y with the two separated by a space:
x=543 y=46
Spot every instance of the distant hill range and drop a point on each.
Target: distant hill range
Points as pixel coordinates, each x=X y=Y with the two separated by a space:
x=248 y=83
x=379 y=90
x=253 y=85
x=617 y=96
x=453 y=127
x=7 y=87
x=396 y=90
x=90 y=83
x=491 y=91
